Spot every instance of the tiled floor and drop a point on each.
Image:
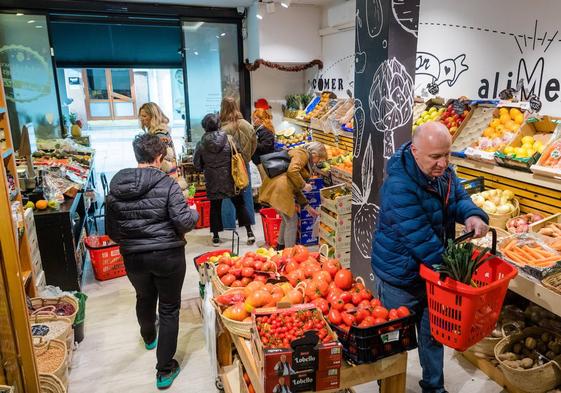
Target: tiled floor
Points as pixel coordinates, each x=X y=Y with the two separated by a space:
x=112 y=359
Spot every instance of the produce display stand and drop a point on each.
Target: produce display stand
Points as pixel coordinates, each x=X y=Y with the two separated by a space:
x=391 y=371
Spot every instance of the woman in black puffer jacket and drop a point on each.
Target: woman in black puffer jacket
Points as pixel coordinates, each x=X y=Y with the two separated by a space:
x=147 y=216
x=213 y=156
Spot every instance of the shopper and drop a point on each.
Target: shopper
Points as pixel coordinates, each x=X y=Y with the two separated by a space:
x=154 y=121
x=281 y=191
x=233 y=123
x=421 y=202
x=265 y=132
x=213 y=156
x=147 y=216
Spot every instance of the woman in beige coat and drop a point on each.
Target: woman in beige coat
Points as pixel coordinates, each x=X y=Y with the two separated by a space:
x=284 y=191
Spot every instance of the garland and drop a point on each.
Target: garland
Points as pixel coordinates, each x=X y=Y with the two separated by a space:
x=281 y=67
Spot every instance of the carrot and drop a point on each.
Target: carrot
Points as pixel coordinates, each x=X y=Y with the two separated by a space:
x=510 y=244
x=514 y=257
x=547 y=261
x=524 y=254
x=532 y=252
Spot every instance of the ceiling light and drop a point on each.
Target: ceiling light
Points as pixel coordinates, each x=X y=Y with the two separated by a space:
x=222 y=34
x=31 y=21
x=19 y=14
x=38 y=27
x=285 y=3
x=196 y=53
x=259 y=16
x=270 y=7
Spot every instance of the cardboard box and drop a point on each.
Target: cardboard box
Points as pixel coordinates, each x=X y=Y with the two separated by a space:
x=341 y=205
x=341 y=222
x=330 y=356
x=274 y=382
x=303 y=381
x=328 y=379
x=550 y=171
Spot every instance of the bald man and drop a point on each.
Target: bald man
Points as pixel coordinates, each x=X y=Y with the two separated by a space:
x=421 y=202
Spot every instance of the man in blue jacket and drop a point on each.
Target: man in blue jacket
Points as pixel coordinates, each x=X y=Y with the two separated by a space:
x=421 y=202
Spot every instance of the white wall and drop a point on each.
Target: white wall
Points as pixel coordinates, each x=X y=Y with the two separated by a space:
x=501 y=40
x=76 y=92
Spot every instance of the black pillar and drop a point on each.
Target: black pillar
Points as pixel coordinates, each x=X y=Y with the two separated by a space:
x=386 y=44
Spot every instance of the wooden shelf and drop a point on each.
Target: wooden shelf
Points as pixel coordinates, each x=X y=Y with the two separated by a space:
x=230 y=376
x=534 y=291
x=391 y=371
x=7 y=153
x=492 y=372
x=26 y=275
x=525 y=177
x=300 y=123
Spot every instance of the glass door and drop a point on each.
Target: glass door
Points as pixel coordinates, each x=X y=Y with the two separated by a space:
x=109 y=93
x=213 y=68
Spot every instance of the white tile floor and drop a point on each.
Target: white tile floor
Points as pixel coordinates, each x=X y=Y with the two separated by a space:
x=112 y=359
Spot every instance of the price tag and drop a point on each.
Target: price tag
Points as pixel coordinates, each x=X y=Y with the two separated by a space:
x=433 y=88
x=535 y=103
x=390 y=337
x=459 y=107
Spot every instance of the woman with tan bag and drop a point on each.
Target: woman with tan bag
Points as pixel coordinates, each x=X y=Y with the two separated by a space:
x=213 y=156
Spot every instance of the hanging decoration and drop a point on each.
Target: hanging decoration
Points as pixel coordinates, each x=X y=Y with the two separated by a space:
x=282 y=67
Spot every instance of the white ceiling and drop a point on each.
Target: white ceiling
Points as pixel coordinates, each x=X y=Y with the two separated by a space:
x=224 y=3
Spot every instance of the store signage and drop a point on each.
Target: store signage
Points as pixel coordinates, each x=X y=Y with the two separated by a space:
x=73 y=80
x=321 y=84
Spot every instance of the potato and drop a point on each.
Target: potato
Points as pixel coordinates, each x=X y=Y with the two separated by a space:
x=550 y=354
x=512 y=363
x=546 y=337
x=517 y=348
x=530 y=343
x=526 y=363
x=508 y=356
x=554 y=347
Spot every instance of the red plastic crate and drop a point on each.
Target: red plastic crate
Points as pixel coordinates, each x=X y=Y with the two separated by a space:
x=107 y=261
x=271 y=225
x=203 y=208
x=461 y=315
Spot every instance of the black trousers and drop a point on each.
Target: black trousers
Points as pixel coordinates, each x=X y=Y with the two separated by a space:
x=158 y=275
x=216 y=213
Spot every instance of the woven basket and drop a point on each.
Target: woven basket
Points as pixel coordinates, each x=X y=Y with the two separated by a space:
x=218 y=287
x=323 y=253
x=499 y=220
x=487 y=345
x=535 y=380
x=51 y=384
x=553 y=282
x=242 y=329
x=42 y=304
x=61 y=371
x=66 y=335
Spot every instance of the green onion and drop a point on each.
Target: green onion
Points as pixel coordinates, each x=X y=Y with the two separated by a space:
x=458 y=262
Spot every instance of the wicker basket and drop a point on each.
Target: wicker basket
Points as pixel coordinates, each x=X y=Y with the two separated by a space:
x=43 y=304
x=535 y=380
x=51 y=384
x=553 y=282
x=66 y=334
x=217 y=286
x=499 y=220
x=487 y=345
x=242 y=329
x=61 y=371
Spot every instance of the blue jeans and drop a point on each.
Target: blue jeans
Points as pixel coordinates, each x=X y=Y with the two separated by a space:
x=431 y=352
x=229 y=211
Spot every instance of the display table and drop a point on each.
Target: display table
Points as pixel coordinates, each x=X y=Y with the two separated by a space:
x=390 y=371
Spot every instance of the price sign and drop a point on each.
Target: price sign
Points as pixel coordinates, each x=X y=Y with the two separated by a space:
x=459 y=107
x=433 y=88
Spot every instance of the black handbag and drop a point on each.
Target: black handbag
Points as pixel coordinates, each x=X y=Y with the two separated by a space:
x=275 y=163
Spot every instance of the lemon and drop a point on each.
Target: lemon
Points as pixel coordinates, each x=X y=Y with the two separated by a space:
x=540 y=148
x=503 y=111
x=433 y=109
x=528 y=146
x=508 y=150
x=530 y=152
x=514 y=112
x=528 y=139
x=519 y=151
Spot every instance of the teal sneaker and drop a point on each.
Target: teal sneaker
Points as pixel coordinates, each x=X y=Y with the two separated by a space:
x=165 y=380
x=152 y=345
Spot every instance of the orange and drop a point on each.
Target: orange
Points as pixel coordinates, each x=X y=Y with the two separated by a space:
x=489 y=132
x=494 y=123
x=500 y=129
x=511 y=125
x=505 y=118
x=514 y=112
x=41 y=204
x=519 y=118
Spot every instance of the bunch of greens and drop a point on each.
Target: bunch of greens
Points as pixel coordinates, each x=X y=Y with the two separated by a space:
x=459 y=264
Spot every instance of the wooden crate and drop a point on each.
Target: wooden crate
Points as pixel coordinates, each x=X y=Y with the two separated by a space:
x=340 y=205
x=535 y=227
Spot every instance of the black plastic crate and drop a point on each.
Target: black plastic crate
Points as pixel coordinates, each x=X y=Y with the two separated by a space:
x=367 y=345
x=473 y=186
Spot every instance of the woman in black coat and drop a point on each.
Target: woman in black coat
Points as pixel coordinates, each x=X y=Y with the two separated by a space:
x=213 y=156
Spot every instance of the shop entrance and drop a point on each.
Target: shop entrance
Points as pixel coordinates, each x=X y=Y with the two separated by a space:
x=110 y=93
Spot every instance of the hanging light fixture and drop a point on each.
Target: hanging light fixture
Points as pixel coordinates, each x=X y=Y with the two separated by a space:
x=285 y=3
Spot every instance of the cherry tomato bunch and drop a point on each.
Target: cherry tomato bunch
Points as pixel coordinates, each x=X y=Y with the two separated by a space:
x=280 y=329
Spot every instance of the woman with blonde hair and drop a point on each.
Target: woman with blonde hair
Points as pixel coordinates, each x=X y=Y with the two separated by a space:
x=155 y=122
x=243 y=134
x=281 y=191
x=265 y=132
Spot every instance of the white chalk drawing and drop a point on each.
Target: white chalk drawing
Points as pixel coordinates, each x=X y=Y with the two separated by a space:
x=360 y=56
x=390 y=100
x=406 y=13
x=359 y=119
x=364 y=220
x=374 y=17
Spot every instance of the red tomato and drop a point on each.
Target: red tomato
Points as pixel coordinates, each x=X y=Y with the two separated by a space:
x=324 y=275
x=337 y=304
x=335 y=317
x=393 y=315
x=403 y=311
x=349 y=307
x=295 y=297
x=293 y=278
x=236 y=271
x=222 y=269
x=267 y=267
x=247 y=272
x=369 y=321
x=321 y=304
x=248 y=262
x=346 y=297
x=245 y=281
x=356 y=298
x=348 y=319
x=366 y=294
x=380 y=312
x=364 y=304
x=361 y=314
x=236 y=284
x=344 y=279
x=375 y=303
x=228 y=279
x=379 y=321
x=344 y=327
x=333 y=294
x=260 y=277
x=332 y=266
x=316 y=289
x=291 y=265
x=258 y=265
x=301 y=253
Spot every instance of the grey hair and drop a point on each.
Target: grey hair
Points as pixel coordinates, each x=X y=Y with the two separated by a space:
x=318 y=149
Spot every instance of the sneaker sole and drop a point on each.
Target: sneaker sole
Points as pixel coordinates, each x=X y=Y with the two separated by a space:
x=173 y=376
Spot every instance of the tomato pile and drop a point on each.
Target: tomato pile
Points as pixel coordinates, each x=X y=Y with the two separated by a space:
x=281 y=329
x=366 y=314
x=238 y=272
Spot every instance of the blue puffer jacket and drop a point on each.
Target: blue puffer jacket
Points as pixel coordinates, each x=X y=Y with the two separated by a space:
x=413 y=225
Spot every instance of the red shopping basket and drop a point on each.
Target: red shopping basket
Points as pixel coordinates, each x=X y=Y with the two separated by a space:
x=461 y=315
x=107 y=261
x=203 y=208
x=271 y=225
